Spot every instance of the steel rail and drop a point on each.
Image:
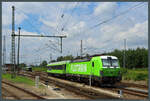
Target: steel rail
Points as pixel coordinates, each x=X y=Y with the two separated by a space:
x=31 y=93
x=126 y=90
x=90 y=93
x=12 y=93
x=133 y=85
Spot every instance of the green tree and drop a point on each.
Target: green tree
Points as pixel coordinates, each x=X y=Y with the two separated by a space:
x=60 y=58
x=44 y=63
x=135 y=58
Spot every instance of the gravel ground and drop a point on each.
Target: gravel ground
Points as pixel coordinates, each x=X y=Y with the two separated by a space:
x=130 y=97
x=52 y=92
x=136 y=82
x=6 y=95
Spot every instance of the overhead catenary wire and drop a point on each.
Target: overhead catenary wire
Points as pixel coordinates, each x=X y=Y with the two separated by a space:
x=60 y=17
x=138 y=5
x=124 y=12
x=29 y=21
x=90 y=19
x=114 y=17
x=46 y=46
x=102 y=23
x=31 y=24
x=68 y=19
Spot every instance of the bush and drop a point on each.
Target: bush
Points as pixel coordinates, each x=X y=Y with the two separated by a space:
x=135 y=74
x=135 y=58
x=140 y=76
x=123 y=71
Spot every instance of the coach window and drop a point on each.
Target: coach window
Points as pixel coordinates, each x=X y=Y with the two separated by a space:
x=59 y=67
x=92 y=64
x=49 y=67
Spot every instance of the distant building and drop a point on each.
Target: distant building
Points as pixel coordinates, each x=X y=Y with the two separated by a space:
x=9 y=66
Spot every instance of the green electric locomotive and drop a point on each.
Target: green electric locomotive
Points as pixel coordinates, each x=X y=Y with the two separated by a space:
x=104 y=69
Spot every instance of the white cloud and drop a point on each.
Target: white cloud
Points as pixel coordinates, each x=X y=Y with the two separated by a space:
x=104 y=37
x=76 y=30
x=49 y=23
x=20 y=17
x=105 y=8
x=139 y=30
x=7 y=15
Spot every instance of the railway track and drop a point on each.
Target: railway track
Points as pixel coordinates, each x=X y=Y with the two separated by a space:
x=134 y=92
x=19 y=93
x=125 y=89
x=129 y=91
x=77 y=88
x=6 y=94
x=124 y=84
x=133 y=85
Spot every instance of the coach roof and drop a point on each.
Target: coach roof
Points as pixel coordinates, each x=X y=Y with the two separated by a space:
x=58 y=63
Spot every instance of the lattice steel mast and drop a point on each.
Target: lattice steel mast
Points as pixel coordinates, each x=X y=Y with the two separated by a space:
x=13 y=42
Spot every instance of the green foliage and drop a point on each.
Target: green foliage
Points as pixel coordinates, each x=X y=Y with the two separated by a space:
x=141 y=76
x=43 y=69
x=135 y=58
x=123 y=71
x=135 y=74
x=18 y=79
x=44 y=63
x=78 y=57
x=68 y=57
x=53 y=61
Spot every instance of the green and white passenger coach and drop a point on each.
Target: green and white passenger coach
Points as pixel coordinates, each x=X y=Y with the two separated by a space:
x=104 y=69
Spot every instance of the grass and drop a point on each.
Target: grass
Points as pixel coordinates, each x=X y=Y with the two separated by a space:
x=135 y=74
x=18 y=79
x=43 y=69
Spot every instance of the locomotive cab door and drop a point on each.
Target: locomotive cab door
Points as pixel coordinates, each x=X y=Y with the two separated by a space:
x=94 y=67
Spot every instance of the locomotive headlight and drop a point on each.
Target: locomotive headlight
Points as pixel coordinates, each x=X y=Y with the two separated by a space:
x=101 y=73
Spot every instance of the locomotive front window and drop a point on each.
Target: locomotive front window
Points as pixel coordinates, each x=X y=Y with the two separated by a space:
x=110 y=62
x=106 y=62
x=114 y=62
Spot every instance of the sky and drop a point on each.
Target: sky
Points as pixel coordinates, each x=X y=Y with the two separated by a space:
x=102 y=27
